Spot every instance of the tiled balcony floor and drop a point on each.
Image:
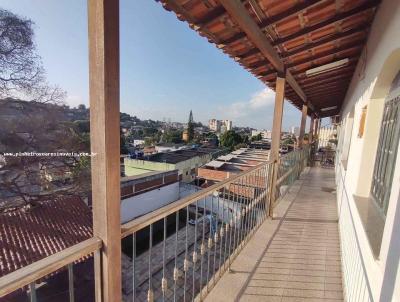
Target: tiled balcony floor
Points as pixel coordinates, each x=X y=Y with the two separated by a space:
x=295 y=256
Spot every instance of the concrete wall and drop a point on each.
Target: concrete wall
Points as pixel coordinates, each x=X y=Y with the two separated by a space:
x=379 y=64
x=138 y=166
x=147 y=202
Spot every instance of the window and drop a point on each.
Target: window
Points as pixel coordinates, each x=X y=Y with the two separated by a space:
x=386 y=154
x=361 y=128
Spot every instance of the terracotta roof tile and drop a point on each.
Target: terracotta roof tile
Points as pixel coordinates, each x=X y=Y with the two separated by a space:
x=28 y=236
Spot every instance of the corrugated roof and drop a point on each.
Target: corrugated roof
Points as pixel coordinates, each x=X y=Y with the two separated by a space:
x=50 y=227
x=215 y=164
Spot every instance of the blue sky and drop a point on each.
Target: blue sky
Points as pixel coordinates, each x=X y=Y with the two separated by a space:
x=167 y=69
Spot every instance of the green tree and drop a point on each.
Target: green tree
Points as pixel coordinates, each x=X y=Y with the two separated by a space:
x=190 y=127
x=288 y=141
x=173 y=136
x=230 y=139
x=122 y=143
x=257 y=137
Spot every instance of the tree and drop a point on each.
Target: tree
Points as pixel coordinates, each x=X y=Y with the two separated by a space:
x=122 y=143
x=230 y=139
x=35 y=126
x=172 y=136
x=190 y=127
x=257 y=137
x=21 y=70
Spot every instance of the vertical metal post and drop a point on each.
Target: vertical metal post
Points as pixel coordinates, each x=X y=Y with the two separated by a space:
x=97 y=276
x=194 y=256
x=71 y=283
x=164 y=278
x=133 y=267
x=176 y=272
x=32 y=289
x=186 y=261
x=150 y=294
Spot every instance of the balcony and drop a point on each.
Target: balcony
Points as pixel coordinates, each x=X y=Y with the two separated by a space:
x=296 y=255
x=280 y=231
x=179 y=251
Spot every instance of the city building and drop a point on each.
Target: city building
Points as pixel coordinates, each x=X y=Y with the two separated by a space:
x=295 y=130
x=265 y=134
x=141 y=194
x=233 y=163
x=185 y=135
x=185 y=161
x=219 y=125
x=214 y=125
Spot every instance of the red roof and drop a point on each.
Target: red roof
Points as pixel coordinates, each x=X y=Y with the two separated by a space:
x=28 y=236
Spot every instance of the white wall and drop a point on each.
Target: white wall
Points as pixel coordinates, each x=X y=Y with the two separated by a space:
x=147 y=202
x=375 y=72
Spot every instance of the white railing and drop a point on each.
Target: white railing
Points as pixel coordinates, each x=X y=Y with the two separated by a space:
x=355 y=279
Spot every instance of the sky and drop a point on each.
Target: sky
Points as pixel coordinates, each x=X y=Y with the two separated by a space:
x=167 y=69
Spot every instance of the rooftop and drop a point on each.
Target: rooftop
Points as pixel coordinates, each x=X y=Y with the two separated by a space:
x=47 y=228
x=181 y=155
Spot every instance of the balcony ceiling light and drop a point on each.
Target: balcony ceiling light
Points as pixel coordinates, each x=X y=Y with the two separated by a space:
x=327 y=67
x=328 y=108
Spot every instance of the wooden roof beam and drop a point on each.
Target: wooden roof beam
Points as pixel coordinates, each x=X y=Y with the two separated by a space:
x=238 y=12
x=310 y=29
x=328 y=91
x=325 y=82
x=339 y=17
x=307 y=81
x=301 y=73
x=302 y=78
x=353 y=45
x=310 y=60
x=275 y=19
x=182 y=14
x=330 y=39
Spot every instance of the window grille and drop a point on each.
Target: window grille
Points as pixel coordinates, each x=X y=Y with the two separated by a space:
x=385 y=161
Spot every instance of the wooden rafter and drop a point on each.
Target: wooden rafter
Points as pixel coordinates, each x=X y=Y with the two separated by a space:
x=333 y=38
x=275 y=19
x=336 y=18
x=275 y=41
x=237 y=11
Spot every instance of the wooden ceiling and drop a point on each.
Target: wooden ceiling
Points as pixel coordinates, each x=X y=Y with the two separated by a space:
x=302 y=34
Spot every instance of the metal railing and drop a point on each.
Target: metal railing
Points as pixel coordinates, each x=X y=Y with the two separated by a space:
x=179 y=251
x=289 y=168
x=13 y=285
x=356 y=282
x=201 y=235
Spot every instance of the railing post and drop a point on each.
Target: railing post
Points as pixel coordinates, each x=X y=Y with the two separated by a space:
x=276 y=138
x=103 y=19
x=302 y=124
x=311 y=131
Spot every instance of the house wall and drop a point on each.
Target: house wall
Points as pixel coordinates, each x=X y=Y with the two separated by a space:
x=373 y=277
x=147 y=202
x=138 y=166
x=187 y=168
